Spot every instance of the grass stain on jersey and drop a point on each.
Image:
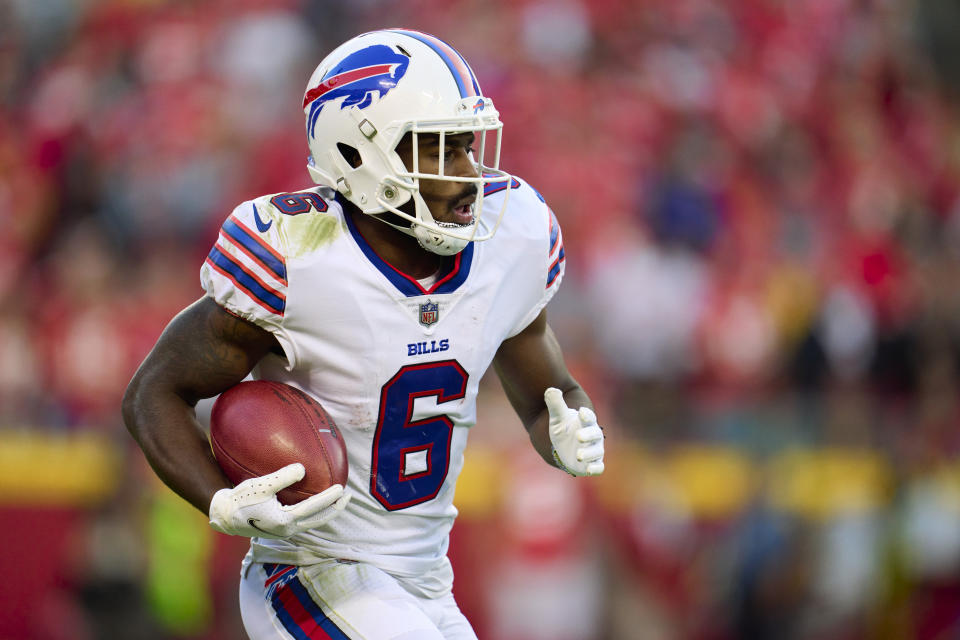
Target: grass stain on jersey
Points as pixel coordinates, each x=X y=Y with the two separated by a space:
x=306 y=234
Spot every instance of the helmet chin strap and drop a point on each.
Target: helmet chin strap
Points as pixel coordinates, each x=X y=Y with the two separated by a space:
x=439 y=243
x=432 y=240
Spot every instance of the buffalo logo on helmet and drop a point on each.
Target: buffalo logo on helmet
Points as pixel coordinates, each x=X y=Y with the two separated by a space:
x=429 y=313
x=374 y=69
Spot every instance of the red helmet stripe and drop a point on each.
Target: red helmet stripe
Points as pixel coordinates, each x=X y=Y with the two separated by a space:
x=344 y=78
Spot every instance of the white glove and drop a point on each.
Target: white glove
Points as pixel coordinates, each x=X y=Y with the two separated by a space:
x=251 y=508
x=575 y=435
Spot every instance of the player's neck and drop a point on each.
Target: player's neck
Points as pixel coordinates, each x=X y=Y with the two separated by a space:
x=403 y=252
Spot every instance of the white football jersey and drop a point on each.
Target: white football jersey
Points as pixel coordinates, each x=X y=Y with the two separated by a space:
x=396 y=364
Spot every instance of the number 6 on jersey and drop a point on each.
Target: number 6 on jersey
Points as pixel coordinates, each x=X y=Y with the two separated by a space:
x=410 y=459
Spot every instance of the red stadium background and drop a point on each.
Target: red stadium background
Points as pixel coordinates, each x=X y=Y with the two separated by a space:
x=761 y=207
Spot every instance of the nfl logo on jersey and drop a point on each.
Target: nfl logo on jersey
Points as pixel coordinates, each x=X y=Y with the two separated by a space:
x=429 y=313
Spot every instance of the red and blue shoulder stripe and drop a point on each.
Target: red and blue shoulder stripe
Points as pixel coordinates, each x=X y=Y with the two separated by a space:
x=251 y=264
x=556 y=252
x=255 y=248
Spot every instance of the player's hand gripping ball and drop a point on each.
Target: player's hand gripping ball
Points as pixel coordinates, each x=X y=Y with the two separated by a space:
x=251 y=508
x=284 y=454
x=576 y=437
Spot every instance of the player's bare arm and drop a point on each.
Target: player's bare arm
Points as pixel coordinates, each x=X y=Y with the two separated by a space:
x=528 y=364
x=202 y=352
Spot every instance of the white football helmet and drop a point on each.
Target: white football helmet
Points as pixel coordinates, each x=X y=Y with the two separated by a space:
x=371 y=91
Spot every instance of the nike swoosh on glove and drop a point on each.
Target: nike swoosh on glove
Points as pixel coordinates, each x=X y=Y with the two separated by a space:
x=251 y=508
x=576 y=437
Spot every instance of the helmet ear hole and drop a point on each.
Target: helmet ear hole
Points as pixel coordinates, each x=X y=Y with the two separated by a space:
x=350 y=154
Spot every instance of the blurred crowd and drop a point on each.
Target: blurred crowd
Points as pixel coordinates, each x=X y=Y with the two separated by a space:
x=761 y=209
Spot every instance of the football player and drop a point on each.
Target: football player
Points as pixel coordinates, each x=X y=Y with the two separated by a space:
x=385 y=292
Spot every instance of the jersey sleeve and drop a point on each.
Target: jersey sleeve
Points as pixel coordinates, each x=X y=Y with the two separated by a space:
x=246 y=270
x=549 y=265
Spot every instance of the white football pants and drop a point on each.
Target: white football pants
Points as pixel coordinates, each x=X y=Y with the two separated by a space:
x=336 y=600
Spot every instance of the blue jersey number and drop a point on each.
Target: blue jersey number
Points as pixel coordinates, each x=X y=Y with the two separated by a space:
x=411 y=458
x=294 y=204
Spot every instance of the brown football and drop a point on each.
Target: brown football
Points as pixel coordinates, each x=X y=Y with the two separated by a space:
x=259 y=426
